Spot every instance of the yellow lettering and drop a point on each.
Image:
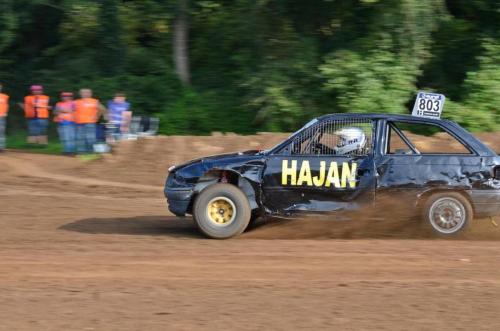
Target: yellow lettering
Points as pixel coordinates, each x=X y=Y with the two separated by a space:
x=349 y=175
x=333 y=176
x=286 y=171
x=305 y=174
x=320 y=180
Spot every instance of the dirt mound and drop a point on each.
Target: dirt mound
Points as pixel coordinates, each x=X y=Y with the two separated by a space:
x=492 y=139
x=146 y=161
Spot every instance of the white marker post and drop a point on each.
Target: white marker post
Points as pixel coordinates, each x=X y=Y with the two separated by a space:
x=428 y=105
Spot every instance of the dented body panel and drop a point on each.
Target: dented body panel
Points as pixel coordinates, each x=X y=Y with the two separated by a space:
x=279 y=182
x=317 y=193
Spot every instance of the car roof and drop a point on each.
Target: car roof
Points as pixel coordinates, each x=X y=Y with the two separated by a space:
x=391 y=117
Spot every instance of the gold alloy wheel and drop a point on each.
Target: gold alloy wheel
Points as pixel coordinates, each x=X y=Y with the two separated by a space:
x=221 y=211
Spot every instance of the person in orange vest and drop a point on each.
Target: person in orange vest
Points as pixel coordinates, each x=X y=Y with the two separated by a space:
x=36 y=110
x=88 y=110
x=65 y=117
x=4 y=109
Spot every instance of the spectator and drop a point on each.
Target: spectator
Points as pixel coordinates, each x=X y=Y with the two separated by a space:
x=119 y=116
x=4 y=109
x=65 y=117
x=87 y=112
x=36 y=110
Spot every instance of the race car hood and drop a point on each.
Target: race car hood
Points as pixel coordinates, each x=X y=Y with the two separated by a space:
x=214 y=158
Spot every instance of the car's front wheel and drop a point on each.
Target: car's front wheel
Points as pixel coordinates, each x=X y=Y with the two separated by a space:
x=447 y=213
x=222 y=211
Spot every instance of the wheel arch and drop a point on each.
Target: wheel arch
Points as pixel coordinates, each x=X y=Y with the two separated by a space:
x=218 y=175
x=424 y=196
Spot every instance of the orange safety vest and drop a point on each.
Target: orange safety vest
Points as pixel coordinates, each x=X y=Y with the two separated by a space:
x=36 y=106
x=86 y=110
x=4 y=104
x=68 y=115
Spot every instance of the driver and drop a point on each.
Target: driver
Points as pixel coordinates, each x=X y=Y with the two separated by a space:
x=351 y=141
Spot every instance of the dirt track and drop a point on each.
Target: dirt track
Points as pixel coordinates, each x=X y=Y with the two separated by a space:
x=90 y=246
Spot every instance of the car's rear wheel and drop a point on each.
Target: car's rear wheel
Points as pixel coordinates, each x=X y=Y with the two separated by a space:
x=222 y=211
x=447 y=213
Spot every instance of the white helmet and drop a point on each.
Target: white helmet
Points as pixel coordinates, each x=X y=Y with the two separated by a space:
x=351 y=139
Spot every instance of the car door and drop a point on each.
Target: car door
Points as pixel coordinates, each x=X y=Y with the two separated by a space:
x=418 y=157
x=313 y=173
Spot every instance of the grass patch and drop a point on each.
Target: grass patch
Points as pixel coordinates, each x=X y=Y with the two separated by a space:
x=18 y=141
x=89 y=157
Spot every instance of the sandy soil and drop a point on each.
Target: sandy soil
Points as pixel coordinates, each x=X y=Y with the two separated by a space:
x=90 y=246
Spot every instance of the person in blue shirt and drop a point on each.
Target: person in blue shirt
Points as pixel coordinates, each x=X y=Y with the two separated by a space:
x=120 y=116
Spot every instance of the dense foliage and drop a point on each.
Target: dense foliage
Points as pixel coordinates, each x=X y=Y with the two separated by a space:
x=259 y=64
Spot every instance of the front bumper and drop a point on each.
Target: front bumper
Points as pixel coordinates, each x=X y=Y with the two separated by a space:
x=179 y=200
x=486 y=202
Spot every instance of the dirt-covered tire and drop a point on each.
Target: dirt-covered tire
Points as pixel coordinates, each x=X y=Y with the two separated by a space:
x=221 y=211
x=447 y=213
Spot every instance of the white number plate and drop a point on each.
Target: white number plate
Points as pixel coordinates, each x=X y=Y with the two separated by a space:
x=428 y=105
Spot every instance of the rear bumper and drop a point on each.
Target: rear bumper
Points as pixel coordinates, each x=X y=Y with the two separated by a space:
x=178 y=200
x=486 y=202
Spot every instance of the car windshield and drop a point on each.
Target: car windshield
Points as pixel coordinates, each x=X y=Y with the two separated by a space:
x=308 y=124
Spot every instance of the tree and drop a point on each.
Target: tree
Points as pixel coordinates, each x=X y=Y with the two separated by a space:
x=480 y=111
x=111 y=51
x=247 y=65
x=377 y=70
x=181 y=42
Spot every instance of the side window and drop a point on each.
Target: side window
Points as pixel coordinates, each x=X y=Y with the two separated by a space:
x=335 y=137
x=396 y=144
x=427 y=139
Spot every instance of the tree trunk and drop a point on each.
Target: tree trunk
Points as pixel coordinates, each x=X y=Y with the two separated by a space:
x=180 y=43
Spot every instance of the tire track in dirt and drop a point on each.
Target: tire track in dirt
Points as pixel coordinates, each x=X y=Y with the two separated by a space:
x=21 y=167
x=24 y=192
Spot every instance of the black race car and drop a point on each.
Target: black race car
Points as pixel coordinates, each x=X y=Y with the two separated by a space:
x=345 y=163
